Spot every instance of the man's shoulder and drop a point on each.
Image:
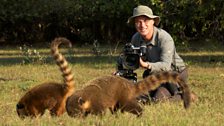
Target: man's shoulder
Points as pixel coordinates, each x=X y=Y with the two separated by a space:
x=161 y=31
x=163 y=34
x=136 y=36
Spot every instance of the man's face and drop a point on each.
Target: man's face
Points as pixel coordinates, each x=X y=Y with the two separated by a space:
x=144 y=25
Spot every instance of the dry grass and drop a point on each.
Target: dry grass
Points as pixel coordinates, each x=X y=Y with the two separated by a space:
x=206 y=71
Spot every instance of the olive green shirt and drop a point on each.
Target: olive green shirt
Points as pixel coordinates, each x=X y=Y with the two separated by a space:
x=160 y=52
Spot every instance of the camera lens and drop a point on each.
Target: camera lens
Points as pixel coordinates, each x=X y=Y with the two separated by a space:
x=131 y=61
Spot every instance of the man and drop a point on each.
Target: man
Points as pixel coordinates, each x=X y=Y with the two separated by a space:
x=161 y=54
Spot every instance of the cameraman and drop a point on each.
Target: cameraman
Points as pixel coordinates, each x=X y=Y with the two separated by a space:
x=160 y=54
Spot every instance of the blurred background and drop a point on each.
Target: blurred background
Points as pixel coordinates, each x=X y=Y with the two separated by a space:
x=85 y=21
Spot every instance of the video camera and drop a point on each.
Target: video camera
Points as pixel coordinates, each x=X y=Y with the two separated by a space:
x=131 y=56
x=130 y=61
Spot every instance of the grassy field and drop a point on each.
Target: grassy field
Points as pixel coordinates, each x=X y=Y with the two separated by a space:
x=206 y=76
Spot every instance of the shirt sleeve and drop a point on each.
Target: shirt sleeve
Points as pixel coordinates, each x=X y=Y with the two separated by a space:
x=166 y=56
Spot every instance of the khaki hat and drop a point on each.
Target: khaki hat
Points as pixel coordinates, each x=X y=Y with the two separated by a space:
x=142 y=10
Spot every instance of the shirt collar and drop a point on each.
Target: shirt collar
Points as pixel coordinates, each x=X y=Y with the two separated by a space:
x=153 y=40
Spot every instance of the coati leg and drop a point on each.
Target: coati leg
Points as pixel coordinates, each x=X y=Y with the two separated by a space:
x=34 y=111
x=132 y=107
x=114 y=109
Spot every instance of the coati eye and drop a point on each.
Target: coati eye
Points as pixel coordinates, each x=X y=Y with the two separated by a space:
x=20 y=106
x=80 y=101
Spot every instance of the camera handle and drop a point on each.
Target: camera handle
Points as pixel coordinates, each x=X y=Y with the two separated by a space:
x=128 y=74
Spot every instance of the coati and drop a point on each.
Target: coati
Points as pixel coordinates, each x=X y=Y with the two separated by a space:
x=49 y=95
x=114 y=92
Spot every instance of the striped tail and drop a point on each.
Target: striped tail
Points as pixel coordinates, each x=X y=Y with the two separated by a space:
x=154 y=81
x=62 y=62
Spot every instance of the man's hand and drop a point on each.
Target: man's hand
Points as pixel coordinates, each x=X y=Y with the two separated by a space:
x=144 y=64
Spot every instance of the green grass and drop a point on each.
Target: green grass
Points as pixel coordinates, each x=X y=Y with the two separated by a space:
x=206 y=77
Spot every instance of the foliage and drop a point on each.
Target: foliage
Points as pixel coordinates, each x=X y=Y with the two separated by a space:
x=31 y=55
x=105 y=20
x=95 y=49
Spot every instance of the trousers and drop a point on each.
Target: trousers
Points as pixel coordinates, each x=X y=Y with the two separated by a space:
x=167 y=90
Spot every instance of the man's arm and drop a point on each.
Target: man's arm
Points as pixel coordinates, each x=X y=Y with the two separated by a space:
x=166 y=56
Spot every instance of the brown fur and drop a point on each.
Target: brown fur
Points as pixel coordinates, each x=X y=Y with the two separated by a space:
x=194 y=97
x=114 y=92
x=49 y=95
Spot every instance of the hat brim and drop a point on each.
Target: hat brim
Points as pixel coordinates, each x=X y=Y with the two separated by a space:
x=156 y=19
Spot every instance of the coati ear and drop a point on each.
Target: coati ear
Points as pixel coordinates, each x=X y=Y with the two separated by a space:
x=81 y=101
x=20 y=106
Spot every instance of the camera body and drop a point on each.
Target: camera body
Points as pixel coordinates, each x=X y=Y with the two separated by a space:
x=129 y=61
